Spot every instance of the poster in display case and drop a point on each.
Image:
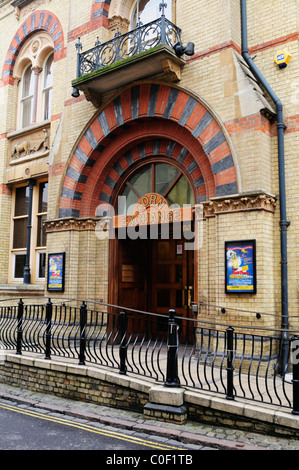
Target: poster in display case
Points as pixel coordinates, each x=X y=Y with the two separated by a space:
x=240 y=267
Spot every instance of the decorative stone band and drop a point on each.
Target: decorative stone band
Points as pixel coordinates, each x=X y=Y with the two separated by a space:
x=239 y=204
x=210 y=209
x=71 y=224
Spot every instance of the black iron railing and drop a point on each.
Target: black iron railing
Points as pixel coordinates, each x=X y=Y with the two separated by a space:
x=230 y=360
x=122 y=46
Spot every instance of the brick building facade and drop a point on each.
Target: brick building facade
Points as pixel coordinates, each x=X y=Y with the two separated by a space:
x=198 y=129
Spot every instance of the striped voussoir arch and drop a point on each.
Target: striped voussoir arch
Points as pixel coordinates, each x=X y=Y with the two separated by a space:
x=169 y=149
x=37 y=21
x=147 y=120
x=100 y=9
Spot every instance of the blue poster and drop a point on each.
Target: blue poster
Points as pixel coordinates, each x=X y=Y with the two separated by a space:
x=240 y=267
x=56 y=272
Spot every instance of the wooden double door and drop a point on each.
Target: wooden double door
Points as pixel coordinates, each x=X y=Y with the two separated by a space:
x=155 y=276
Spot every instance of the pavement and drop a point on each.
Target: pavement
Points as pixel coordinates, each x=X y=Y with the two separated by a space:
x=195 y=435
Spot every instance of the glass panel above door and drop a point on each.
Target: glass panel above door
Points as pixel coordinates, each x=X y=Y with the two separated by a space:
x=160 y=178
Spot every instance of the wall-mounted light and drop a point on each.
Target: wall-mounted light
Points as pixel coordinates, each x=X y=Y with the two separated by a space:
x=179 y=49
x=282 y=58
x=75 y=93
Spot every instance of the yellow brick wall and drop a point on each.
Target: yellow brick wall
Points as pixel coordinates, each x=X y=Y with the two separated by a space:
x=240 y=308
x=86 y=262
x=213 y=77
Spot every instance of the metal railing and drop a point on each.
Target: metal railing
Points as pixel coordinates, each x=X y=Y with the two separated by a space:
x=122 y=46
x=237 y=362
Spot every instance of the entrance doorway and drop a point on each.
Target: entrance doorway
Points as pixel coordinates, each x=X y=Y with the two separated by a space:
x=155 y=276
x=154 y=273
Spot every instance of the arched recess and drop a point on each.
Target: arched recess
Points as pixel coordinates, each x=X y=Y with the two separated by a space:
x=37 y=21
x=120 y=14
x=35 y=51
x=147 y=119
x=120 y=8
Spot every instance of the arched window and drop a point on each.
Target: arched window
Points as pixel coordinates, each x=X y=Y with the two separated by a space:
x=148 y=10
x=36 y=94
x=34 y=72
x=47 y=87
x=161 y=178
x=27 y=96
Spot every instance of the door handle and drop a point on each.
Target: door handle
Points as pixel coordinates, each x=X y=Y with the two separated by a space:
x=187 y=296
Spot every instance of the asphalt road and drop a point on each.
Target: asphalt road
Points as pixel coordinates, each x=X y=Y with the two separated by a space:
x=22 y=428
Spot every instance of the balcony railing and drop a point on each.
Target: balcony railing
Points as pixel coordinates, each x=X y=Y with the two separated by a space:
x=122 y=46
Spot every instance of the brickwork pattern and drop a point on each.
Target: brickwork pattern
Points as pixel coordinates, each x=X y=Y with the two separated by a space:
x=210 y=91
x=133 y=395
x=198 y=143
x=38 y=21
x=72 y=386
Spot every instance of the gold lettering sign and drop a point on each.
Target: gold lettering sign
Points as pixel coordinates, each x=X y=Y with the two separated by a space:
x=152 y=209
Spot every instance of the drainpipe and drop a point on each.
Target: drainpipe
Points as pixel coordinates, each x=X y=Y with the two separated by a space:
x=284 y=223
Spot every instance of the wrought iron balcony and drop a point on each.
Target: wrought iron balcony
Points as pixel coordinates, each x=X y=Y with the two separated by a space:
x=122 y=46
x=147 y=50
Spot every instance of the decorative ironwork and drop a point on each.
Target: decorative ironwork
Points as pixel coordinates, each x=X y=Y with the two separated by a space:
x=122 y=46
x=173 y=350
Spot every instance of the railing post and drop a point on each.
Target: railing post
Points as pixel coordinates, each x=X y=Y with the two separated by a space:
x=78 y=45
x=19 y=326
x=230 y=368
x=172 y=379
x=83 y=320
x=295 y=380
x=49 y=307
x=123 y=344
x=163 y=5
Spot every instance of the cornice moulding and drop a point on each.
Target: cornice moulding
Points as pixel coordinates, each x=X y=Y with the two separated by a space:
x=239 y=204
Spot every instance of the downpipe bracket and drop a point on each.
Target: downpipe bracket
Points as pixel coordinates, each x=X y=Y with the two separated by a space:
x=284 y=224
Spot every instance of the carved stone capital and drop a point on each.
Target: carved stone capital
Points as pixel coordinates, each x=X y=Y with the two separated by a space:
x=36 y=69
x=16 y=80
x=240 y=204
x=71 y=224
x=118 y=23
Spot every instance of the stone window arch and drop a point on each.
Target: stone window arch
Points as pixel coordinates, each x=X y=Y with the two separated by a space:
x=33 y=74
x=123 y=14
x=147 y=11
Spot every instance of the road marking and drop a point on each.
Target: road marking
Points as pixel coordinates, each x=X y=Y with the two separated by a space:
x=86 y=427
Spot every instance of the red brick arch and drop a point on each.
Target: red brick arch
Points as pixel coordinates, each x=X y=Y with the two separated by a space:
x=146 y=120
x=38 y=21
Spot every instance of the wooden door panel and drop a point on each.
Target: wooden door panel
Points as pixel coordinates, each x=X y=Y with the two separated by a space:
x=133 y=274
x=172 y=280
x=154 y=276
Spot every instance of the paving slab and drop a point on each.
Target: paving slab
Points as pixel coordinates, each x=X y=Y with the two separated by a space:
x=198 y=434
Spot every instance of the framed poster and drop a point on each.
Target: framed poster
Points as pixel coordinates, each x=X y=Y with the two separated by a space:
x=240 y=267
x=55 y=280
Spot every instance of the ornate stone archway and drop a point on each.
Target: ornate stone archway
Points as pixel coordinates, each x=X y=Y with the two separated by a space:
x=144 y=119
x=37 y=21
